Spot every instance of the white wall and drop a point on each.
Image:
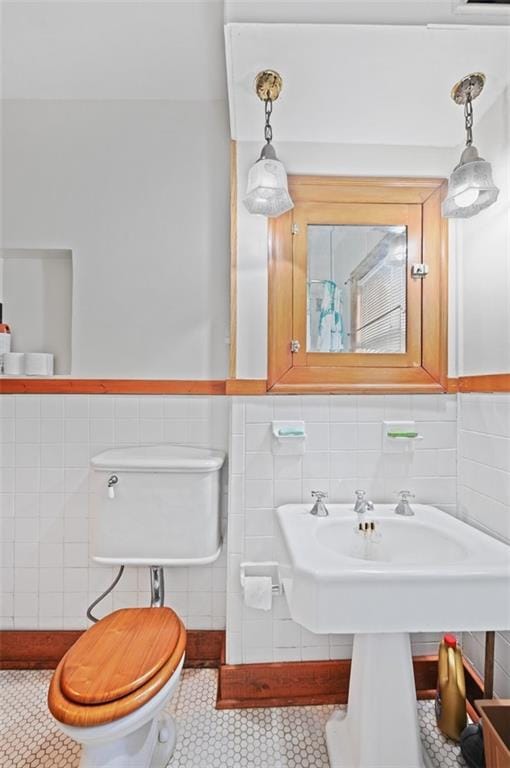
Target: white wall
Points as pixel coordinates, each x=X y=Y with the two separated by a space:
x=320 y=159
x=484 y=264
x=484 y=498
x=139 y=191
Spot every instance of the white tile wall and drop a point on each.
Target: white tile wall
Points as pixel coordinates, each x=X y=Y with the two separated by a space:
x=343 y=452
x=484 y=497
x=47 y=578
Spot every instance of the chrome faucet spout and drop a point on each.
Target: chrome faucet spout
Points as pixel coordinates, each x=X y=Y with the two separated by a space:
x=362 y=504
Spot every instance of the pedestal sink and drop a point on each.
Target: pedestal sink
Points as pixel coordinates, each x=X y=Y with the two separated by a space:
x=425 y=573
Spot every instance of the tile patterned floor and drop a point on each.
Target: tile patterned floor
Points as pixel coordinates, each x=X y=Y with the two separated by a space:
x=284 y=737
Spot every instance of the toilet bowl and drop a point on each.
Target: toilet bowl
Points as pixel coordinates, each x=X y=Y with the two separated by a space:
x=155 y=506
x=109 y=691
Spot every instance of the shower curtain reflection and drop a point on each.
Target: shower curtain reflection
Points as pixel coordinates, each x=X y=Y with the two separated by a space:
x=324 y=315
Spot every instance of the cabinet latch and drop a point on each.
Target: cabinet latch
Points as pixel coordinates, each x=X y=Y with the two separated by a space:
x=295 y=346
x=419 y=270
x=295 y=229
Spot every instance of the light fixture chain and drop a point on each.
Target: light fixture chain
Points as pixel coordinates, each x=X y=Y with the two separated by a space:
x=468 y=117
x=268 y=131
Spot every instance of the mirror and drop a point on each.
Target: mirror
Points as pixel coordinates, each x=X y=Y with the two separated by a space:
x=356 y=288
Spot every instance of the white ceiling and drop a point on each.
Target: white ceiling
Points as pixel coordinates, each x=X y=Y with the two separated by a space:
x=362 y=84
x=364 y=12
x=113 y=50
x=164 y=49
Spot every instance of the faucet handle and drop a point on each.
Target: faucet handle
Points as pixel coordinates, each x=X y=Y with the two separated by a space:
x=360 y=495
x=319 y=495
x=405 y=495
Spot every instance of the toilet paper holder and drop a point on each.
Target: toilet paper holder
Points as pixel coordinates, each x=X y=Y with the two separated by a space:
x=268 y=568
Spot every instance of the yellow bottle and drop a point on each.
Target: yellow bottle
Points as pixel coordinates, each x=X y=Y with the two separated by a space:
x=451 y=689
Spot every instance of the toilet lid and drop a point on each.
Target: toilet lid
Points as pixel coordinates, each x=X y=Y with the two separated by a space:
x=119 y=654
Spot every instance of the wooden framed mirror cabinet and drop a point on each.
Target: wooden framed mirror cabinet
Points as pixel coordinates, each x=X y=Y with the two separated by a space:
x=358 y=287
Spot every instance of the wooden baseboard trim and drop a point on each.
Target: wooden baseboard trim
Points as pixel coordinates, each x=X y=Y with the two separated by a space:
x=491 y=382
x=305 y=683
x=25 y=386
x=43 y=649
x=246 y=387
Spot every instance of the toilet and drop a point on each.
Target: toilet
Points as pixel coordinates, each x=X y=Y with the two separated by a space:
x=155 y=506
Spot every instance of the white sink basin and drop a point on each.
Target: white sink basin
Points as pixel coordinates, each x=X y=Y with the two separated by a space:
x=399 y=542
x=428 y=572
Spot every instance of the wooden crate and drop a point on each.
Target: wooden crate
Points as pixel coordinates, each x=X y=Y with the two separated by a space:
x=496 y=731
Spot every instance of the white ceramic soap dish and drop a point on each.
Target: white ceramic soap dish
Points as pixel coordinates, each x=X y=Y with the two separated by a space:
x=289 y=437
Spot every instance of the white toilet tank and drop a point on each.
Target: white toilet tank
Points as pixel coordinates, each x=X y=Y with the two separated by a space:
x=156 y=505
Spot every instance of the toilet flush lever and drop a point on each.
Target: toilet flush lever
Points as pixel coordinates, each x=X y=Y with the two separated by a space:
x=112 y=482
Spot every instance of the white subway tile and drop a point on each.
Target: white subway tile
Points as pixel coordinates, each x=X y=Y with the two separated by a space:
x=7 y=406
x=344 y=437
x=52 y=455
x=26 y=604
x=287 y=407
x=288 y=467
x=371 y=408
x=151 y=407
x=259 y=522
x=26 y=580
x=26 y=504
x=27 y=529
x=126 y=407
x=258 y=493
x=76 y=407
x=258 y=437
x=76 y=430
x=27 y=406
x=52 y=430
x=28 y=430
x=317 y=436
x=7 y=431
x=344 y=408
x=27 y=480
x=52 y=407
x=102 y=407
x=315 y=408
x=259 y=465
x=287 y=492
x=259 y=409
x=151 y=431
x=51 y=554
x=316 y=464
x=102 y=430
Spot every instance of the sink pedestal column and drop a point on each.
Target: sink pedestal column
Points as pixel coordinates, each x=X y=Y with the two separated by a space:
x=380 y=728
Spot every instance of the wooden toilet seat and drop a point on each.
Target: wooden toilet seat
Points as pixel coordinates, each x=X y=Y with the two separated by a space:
x=117 y=666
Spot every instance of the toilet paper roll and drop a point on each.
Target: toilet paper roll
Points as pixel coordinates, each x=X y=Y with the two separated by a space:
x=14 y=363
x=258 y=592
x=39 y=364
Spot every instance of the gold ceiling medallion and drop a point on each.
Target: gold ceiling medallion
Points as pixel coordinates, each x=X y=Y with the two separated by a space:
x=268 y=85
x=468 y=88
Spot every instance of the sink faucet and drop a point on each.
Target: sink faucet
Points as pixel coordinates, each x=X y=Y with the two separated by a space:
x=362 y=504
x=319 y=508
x=403 y=507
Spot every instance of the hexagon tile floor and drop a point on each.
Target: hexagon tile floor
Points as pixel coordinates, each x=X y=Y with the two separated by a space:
x=283 y=737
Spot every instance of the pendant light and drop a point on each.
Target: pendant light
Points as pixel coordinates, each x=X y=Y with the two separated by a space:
x=267 y=192
x=470 y=188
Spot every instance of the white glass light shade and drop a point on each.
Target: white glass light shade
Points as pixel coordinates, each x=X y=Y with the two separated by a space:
x=267 y=192
x=470 y=188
